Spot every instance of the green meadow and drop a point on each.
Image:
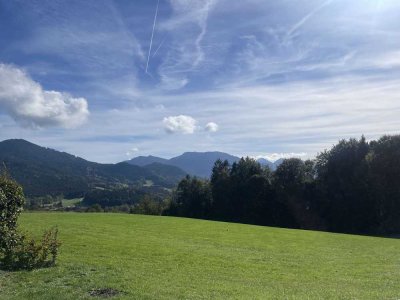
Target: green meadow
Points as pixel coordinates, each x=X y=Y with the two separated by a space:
x=151 y=257
x=70 y=202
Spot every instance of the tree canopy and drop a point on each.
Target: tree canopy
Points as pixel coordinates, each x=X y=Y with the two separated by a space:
x=353 y=187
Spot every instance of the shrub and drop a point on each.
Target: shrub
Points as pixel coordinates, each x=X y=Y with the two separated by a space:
x=11 y=202
x=17 y=251
x=30 y=254
x=95 y=208
x=147 y=206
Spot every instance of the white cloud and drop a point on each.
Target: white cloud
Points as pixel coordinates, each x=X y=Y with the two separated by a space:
x=275 y=156
x=30 y=105
x=132 y=151
x=183 y=124
x=211 y=127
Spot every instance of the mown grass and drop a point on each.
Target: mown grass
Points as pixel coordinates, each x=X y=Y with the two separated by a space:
x=148 y=257
x=71 y=202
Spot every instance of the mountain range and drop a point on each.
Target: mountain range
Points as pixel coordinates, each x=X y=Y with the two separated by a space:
x=197 y=163
x=44 y=171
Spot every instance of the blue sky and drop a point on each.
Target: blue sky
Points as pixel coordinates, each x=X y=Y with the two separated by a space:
x=260 y=78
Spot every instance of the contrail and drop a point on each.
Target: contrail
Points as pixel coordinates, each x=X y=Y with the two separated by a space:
x=152 y=34
x=308 y=16
x=155 y=52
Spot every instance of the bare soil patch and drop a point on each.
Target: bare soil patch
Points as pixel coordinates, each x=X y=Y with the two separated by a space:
x=104 y=293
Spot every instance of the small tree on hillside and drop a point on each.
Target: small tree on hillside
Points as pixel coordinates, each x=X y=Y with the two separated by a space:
x=16 y=250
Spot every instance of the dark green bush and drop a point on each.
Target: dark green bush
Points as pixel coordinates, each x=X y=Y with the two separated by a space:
x=17 y=251
x=95 y=208
x=147 y=206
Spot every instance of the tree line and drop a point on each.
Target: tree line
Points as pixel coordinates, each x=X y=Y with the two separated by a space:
x=354 y=187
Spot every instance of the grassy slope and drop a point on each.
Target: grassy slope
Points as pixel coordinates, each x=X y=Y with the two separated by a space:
x=172 y=258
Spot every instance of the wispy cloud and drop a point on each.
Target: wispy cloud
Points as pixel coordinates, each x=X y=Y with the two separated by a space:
x=187 y=28
x=79 y=43
x=276 y=77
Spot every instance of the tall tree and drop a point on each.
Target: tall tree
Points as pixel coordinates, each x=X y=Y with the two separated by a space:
x=384 y=163
x=346 y=201
x=221 y=192
x=292 y=180
x=241 y=176
x=193 y=198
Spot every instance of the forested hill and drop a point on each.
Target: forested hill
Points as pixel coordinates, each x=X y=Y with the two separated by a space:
x=43 y=171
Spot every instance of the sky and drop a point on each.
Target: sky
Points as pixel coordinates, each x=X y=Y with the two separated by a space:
x=111 y=80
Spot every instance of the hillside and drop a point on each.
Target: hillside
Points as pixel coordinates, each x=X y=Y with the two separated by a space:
x=147 y=257
x=169 y=174
x=44 y=171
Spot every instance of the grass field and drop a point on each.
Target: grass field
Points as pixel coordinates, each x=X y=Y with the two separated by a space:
x=148 y=257
x=71 y=202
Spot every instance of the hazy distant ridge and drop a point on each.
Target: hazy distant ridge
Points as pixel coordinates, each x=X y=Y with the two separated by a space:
x=197 y=163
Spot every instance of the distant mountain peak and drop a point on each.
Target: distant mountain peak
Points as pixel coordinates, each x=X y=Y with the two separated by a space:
x=147 y=160
x=195 y=163
x=18 y=142
x=272 y=165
